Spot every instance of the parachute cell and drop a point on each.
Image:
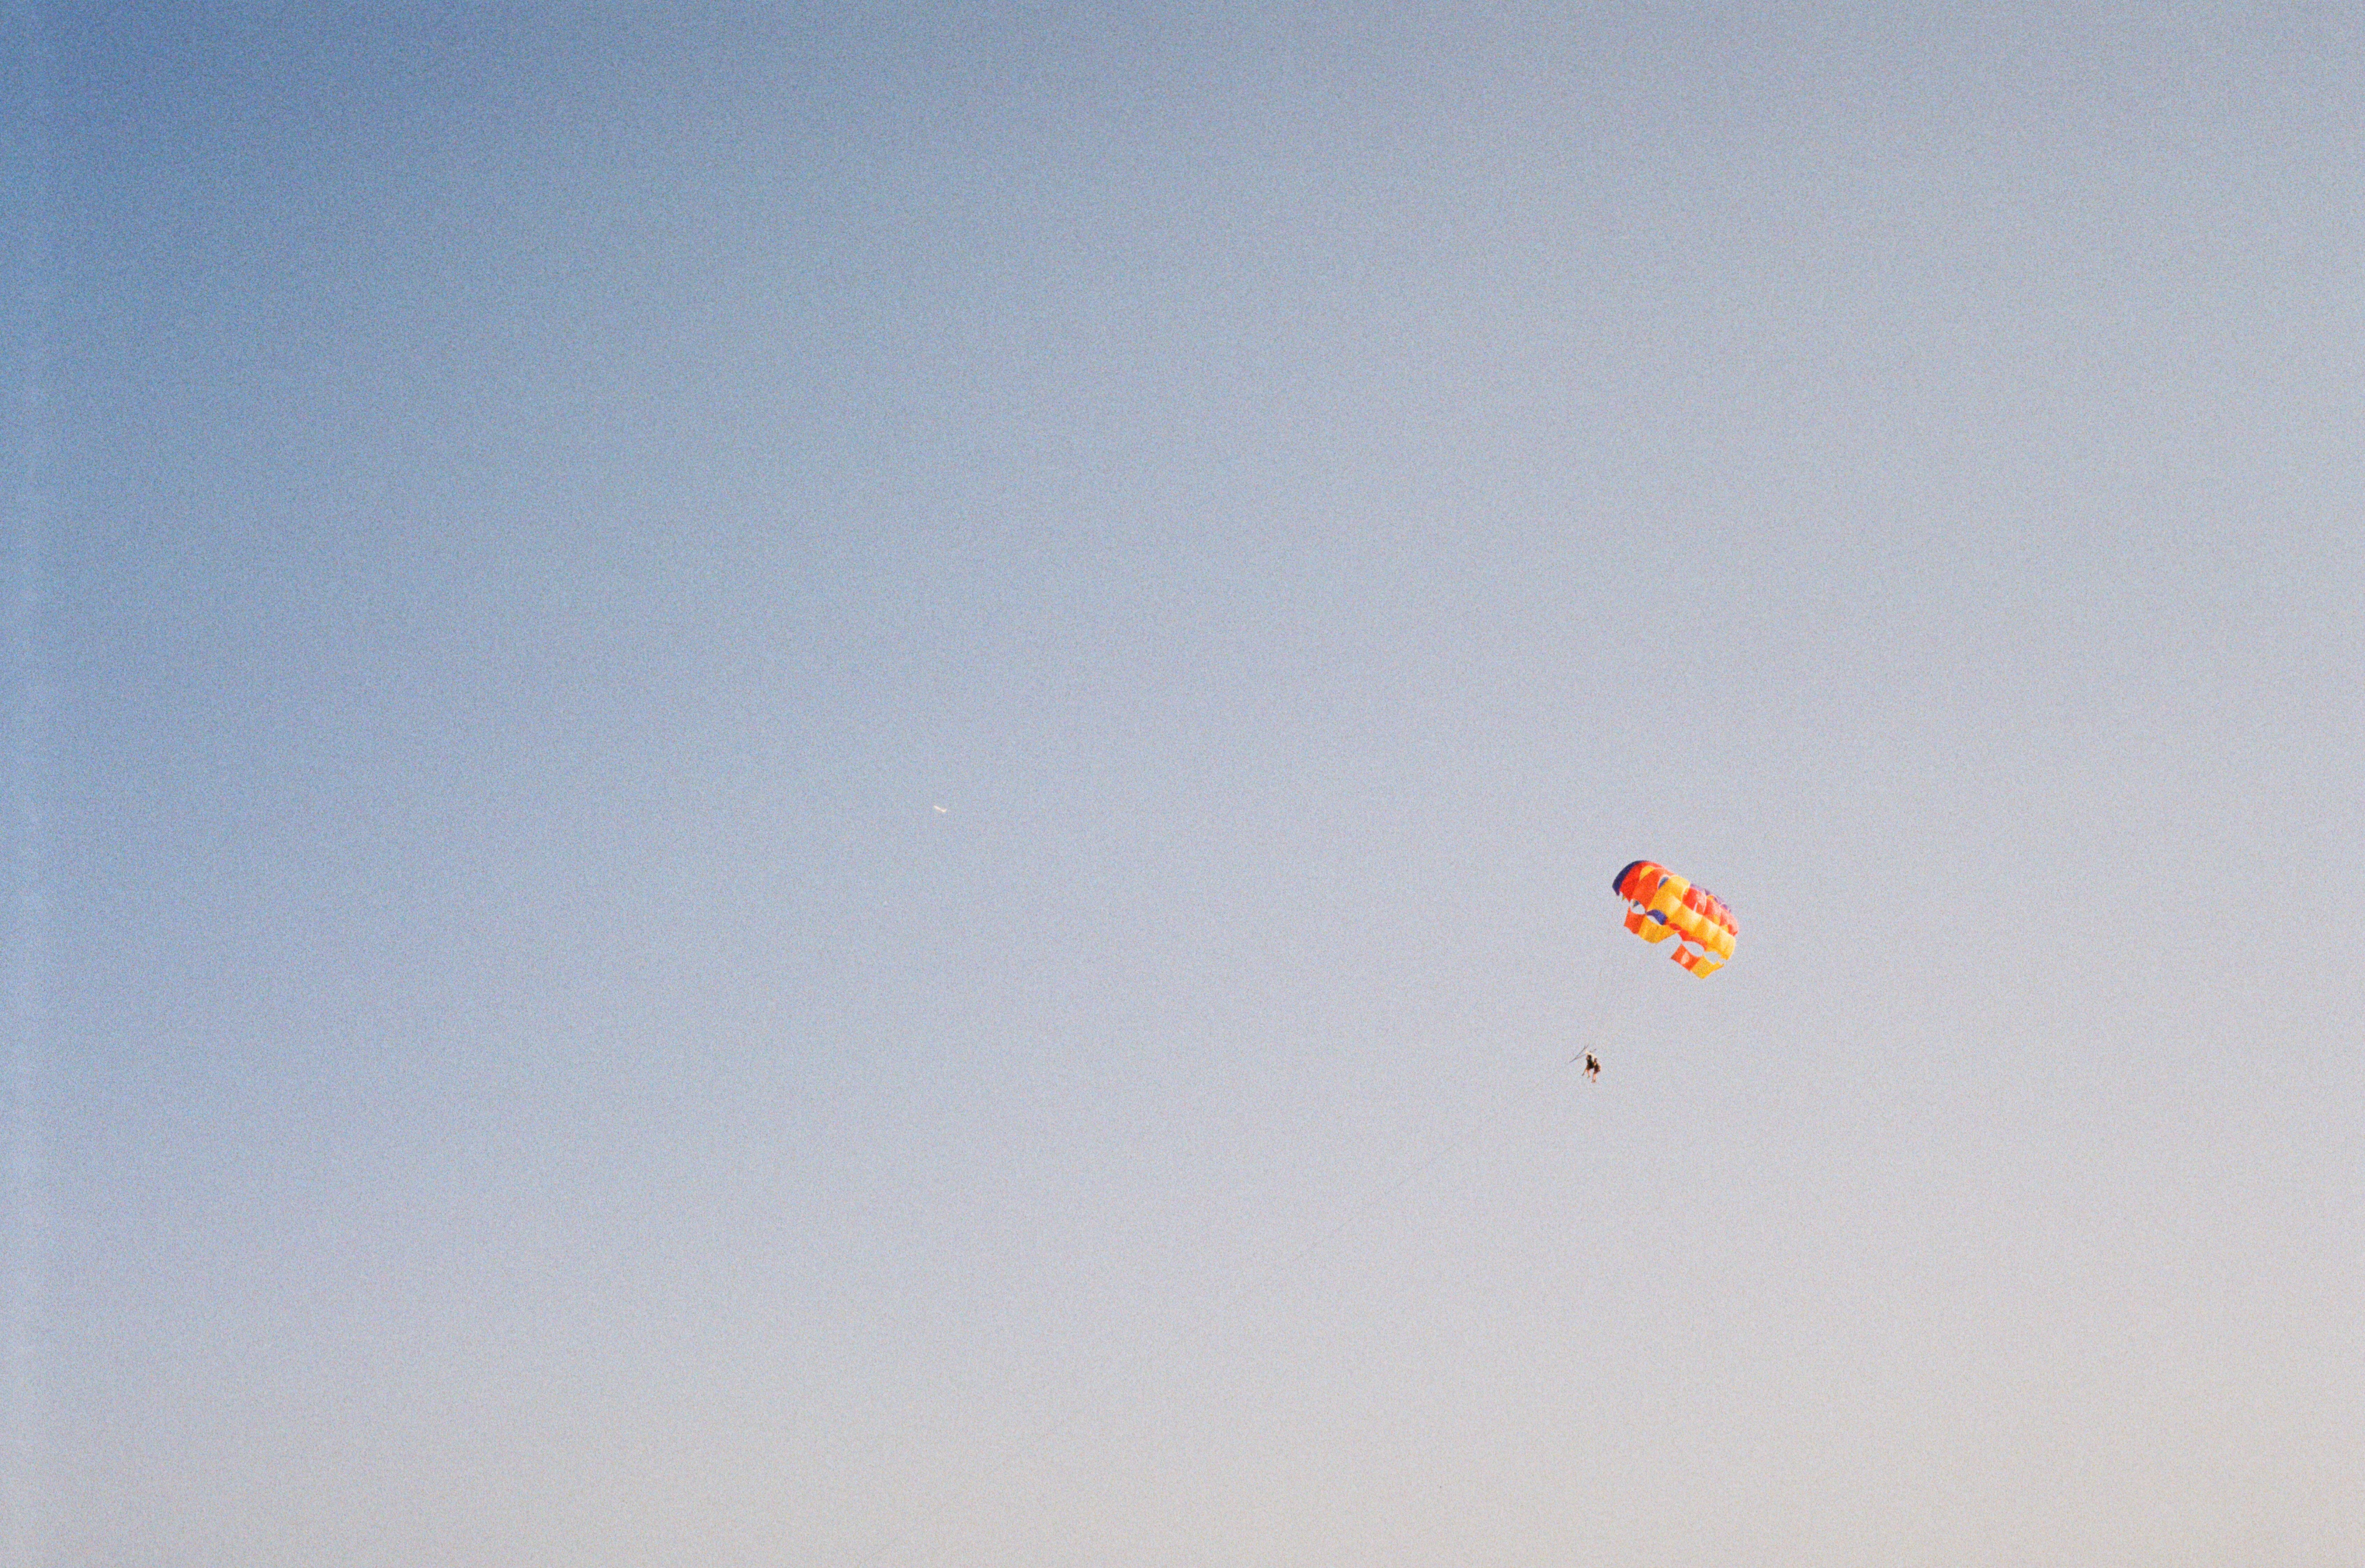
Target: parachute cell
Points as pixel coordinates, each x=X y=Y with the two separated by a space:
x=1662 y=905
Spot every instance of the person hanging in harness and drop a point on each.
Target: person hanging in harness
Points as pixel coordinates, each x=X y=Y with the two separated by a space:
x=1592 y=1067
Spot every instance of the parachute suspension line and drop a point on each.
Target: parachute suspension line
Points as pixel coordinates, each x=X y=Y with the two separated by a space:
x=1606 y=997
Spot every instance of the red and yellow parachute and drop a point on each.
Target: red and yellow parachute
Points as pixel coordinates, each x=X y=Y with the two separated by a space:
x=1665 y=905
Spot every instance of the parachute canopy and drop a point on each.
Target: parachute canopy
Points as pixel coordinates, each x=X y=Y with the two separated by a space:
x=1662 y=904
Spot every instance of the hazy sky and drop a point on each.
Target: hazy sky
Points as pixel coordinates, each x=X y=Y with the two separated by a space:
x=836 y=785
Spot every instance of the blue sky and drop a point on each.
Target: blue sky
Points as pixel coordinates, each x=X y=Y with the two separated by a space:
x=837 y=785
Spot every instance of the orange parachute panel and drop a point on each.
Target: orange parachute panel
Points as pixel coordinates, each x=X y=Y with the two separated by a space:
x=1661 y=904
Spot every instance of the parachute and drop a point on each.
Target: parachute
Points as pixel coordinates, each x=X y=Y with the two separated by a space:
x=1664 y=904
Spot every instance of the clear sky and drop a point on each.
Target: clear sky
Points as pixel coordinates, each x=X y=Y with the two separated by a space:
x=836 y=785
